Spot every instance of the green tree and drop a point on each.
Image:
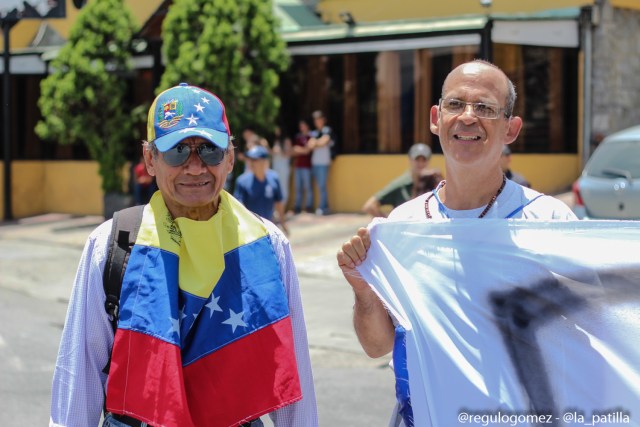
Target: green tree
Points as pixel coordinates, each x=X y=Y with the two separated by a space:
x=83 y=100
x=232 y=48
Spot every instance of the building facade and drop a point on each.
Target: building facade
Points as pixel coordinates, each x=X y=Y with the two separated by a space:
x=375 y=68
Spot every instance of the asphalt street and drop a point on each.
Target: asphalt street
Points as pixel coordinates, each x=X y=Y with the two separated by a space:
x=38 y=261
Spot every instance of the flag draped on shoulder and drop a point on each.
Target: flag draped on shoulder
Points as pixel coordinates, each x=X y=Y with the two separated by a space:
x=532 y=322
x=204 y=336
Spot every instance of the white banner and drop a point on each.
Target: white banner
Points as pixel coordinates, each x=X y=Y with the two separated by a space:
x=516 y=323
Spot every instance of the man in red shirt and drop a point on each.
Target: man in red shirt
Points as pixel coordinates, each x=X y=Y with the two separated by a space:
x=302 y=163
x=143 y=184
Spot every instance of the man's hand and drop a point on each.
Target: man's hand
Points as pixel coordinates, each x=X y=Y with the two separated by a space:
x=371 y=321
x=351 y=255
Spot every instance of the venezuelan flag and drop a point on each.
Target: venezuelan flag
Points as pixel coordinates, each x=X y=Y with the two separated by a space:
x=204 y=337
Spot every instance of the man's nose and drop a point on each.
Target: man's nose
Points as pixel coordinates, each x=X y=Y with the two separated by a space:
x=194 y=163
x=469 y=114
x=468 y=109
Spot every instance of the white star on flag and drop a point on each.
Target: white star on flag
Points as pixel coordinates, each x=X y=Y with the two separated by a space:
x=204 y=132
x=235 y=320
x=182 y=314
x=195 y=91
x=213 y=306
x=175 y=326
x=205 y=100
x=192 y=120
x=185 y=130
x=199 y=108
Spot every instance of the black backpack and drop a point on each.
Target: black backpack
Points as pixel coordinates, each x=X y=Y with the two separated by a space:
x=124 y=231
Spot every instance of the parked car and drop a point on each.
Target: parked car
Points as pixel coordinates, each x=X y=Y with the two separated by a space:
x=609 y=187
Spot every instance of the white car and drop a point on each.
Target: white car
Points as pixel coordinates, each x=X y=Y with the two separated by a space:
x=609 y=187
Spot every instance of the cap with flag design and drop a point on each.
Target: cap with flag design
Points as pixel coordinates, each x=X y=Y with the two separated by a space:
x=185 y=111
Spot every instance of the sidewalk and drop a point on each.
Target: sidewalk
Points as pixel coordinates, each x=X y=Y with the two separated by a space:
x=55 y=241
x=38 y=260
x=72 y=230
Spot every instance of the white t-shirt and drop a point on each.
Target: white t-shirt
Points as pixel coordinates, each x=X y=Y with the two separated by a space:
x=534 y=205
x=321 y=156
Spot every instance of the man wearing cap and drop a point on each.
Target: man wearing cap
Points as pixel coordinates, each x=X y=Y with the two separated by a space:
x=259 y=188
x=210 y=329
x=505 y=162
x=402 y=188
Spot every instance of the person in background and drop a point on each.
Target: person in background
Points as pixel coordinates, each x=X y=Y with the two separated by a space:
x=259 y=189
x=505 y=162
x=322 y=142
x=205 y=334
x=427 y=181
x=250 y=139
x=143 y=184
x=302 y=173
x=281 y=160
x=402 y=188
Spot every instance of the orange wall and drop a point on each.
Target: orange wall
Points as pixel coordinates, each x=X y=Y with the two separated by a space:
x=40 y=187
x=74 y=186
x=355 y=178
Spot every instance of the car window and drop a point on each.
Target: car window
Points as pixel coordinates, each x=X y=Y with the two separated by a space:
x=616 y=160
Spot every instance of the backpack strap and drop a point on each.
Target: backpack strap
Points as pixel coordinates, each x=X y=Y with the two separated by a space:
x=124 y=232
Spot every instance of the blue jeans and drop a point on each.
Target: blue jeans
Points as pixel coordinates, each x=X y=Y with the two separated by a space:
x=303 y=183
x=320 y=175
x=110 y=422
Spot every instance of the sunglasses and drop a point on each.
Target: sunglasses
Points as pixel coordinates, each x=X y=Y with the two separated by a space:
x=210 y=154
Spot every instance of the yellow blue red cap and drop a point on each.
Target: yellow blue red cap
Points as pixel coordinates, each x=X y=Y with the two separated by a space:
x=185 y=111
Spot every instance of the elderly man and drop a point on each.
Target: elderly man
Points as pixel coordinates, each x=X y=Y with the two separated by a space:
x=473 y=120
x=206 y=335
x=402 y=188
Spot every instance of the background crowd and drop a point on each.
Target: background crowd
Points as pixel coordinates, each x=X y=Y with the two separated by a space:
x=267 y=172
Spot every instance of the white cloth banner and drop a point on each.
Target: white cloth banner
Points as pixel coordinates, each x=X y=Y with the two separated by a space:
x=520 y=323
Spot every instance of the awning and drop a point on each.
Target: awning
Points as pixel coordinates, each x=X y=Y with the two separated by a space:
x=294 y=15
x=557 y=28
x=552 y=28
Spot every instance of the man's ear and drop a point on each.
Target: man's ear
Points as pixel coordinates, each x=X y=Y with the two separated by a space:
x=230 y=158
x=150 y=161
x=434 y=117
x=513 y=129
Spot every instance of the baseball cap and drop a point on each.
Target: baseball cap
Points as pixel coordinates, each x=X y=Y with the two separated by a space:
x=418 y=150
x=185 y=111
x=257 y=152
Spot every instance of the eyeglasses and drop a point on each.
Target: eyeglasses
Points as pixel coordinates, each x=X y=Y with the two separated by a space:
x=210 y=154
x=483 y=110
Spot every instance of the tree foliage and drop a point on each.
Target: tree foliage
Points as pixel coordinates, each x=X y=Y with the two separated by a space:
x=83 y=100
x=232 y=48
